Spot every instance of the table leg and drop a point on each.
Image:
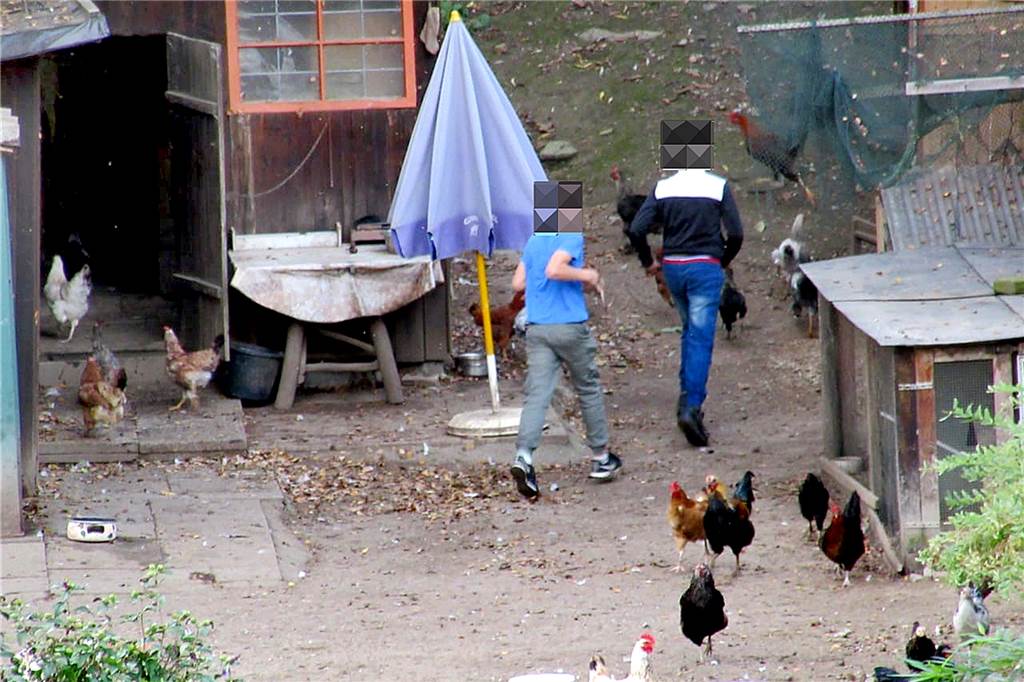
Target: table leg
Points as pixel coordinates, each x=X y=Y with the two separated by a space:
x=291 y=367
x=386 y=361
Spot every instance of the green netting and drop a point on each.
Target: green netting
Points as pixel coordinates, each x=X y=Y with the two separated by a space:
x=861 y=93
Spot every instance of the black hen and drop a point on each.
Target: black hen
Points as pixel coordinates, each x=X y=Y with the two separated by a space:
x=805 y=298
x=627 y=204
x=734 y=304
x=702 y=609
x=813 y=498
x=883 y=674
x=727 y=526
x=920 y=646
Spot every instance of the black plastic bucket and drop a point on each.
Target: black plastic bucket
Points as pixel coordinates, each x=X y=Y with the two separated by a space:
x=252 y=373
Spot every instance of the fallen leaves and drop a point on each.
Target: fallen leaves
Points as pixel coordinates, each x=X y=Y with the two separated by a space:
x=342 y=485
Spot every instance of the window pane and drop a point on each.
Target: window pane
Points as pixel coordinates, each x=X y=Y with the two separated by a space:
x=384 y=57
x=342 y=6
x=343 y=58
x=261 y=21
x=385 y=84
x=382 y=24
x=279 y=73
x=345 y=85
x=343 y=26
x=348 y=20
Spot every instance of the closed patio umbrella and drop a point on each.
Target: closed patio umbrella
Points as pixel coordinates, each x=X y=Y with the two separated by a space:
x=466 y=185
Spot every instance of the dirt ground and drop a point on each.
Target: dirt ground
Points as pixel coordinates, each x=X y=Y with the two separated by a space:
x=460 y=579
x=457 y=578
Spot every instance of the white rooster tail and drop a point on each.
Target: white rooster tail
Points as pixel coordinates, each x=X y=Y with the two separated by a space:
x=798 y=226
x=55 y=279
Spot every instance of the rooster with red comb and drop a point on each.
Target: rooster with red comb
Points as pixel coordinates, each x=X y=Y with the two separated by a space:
x=640 y=669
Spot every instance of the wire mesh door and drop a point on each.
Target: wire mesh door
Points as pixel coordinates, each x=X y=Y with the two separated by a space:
x=967 y=382
x=885 y=478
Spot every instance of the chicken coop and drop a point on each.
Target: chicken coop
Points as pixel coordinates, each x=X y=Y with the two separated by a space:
x=903 y=335
x=158 y=137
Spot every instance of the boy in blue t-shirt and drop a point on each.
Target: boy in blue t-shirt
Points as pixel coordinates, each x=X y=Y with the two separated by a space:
x=552 y=274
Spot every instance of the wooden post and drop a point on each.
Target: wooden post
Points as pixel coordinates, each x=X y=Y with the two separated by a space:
x=880 y=224
x=927 y=437
x=20 y=91
x=1002 y=373
x=291 y=367
x=386 y=361
x=832 y=431
x=907 y=448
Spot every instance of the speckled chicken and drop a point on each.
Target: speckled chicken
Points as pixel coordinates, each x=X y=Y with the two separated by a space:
x=102 y=403
x=113 y=373
x=192 y=371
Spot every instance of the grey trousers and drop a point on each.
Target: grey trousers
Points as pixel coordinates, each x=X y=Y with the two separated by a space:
x=547 y=347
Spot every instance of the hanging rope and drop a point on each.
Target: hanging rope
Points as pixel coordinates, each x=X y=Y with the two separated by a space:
x=316 y=143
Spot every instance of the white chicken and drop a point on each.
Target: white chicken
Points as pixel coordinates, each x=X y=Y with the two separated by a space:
x=640 y=668
x=68 y=300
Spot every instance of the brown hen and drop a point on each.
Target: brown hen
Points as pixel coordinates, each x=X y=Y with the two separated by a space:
x=686 y=517
x=191 y=371
x=101 y=402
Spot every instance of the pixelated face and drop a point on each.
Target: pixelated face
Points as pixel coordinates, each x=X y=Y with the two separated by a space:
x=687 y=143
x=557 y=207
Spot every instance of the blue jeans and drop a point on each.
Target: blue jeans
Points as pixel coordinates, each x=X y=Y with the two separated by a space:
x=697 y=291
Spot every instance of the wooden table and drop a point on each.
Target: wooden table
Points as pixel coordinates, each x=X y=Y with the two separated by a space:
x=313 y=280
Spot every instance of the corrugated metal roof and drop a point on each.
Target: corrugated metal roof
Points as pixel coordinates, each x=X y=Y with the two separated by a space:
x=923 y=275
x=973 y=205
x=925 y=297
x=34 y=27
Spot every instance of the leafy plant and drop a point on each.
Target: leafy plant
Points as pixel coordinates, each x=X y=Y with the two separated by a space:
x=72 y=644
x=999 y=656
x=986 y=543
x=471 y=17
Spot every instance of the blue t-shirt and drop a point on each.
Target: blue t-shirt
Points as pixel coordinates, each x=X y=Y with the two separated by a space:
x=550 y=301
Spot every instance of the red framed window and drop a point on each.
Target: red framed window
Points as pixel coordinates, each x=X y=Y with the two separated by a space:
x=320 y=55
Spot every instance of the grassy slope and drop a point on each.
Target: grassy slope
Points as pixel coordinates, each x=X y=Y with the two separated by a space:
x=525 y=36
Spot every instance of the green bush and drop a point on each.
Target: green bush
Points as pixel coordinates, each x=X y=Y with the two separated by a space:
x=474 y=19
x=986 y=543
x=68 y=644
x=993 y=658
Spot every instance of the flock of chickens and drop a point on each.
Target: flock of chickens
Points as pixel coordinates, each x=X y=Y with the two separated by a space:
x=791 y=253
x=101 y=390
x=721 y=520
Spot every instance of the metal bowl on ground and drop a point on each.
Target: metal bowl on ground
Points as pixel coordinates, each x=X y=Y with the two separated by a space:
x=472 y=364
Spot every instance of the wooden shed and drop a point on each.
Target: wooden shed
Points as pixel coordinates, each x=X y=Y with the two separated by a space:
x=192 y=122
x=903 y=335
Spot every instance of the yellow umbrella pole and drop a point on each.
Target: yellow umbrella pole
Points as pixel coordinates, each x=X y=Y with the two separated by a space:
x=485 y=310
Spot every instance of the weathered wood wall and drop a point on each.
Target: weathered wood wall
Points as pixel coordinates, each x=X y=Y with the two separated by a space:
x=203 y=19
x=287 y=172
x=19 y=91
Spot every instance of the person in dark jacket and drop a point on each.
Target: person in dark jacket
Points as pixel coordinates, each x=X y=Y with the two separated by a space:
x=695 y=206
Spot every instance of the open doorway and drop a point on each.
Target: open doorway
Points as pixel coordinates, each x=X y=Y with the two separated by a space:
x=106 y=184
x=133 y=176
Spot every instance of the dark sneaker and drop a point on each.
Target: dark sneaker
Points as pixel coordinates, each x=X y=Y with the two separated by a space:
x=526 y=479
x=691 y=421
x=605 y=469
